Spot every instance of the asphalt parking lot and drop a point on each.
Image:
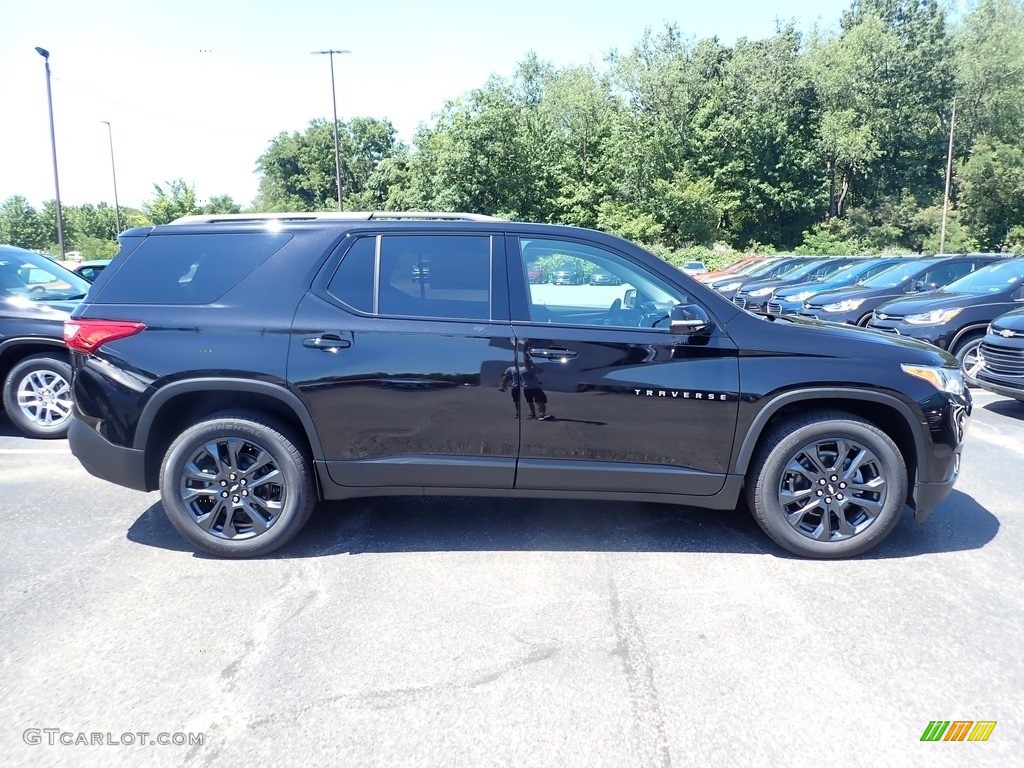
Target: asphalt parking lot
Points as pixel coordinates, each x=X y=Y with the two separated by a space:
x=452 y=631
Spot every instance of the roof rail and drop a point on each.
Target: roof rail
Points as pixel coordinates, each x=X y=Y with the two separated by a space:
x=331 y=216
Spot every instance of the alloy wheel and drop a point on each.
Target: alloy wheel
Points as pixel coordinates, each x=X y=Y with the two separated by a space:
x=832 y=489
x=44 y=397
x=233 y=488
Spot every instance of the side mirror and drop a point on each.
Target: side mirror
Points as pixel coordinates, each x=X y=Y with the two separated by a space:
x=1018 y=295
x=688 y=319
x=629 y=299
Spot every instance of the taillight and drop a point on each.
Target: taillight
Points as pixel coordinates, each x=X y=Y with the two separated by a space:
x=89 y=335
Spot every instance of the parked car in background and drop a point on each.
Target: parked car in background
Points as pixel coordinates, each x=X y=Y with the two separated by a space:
x=741 y=267
x=603 y=277
x=855 y=304
x=535 y=273
x=567 y=274
x=728 y=286
x=36 y=296
x=954 y=318
x=754 y=296
x=1001 y=363
x=789 y=299
x=90 y=270
x=694 y=268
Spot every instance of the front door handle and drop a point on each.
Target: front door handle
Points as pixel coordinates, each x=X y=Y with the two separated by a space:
x=552 y=354
x=327 y=342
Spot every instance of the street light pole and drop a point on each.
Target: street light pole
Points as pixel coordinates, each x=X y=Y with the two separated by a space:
x=53 y=145
x=334 y=103
x=117 y=205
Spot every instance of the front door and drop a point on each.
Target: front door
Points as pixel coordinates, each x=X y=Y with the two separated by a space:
x=628 y=405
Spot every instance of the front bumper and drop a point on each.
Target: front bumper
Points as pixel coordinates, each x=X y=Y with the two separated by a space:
x=101 y=458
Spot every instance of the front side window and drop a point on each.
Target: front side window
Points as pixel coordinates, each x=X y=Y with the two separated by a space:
x=593 y=286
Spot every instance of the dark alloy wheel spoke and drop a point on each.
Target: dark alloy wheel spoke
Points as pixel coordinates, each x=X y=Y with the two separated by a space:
x=832 y=489
x=233 y=488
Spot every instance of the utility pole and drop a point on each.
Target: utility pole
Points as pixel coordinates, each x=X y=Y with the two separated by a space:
x=334 y=104
x=53 y=146
x=117 y=205
x=949 y=177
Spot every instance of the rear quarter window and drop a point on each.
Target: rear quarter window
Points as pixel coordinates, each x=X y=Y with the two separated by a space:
x=188 y=269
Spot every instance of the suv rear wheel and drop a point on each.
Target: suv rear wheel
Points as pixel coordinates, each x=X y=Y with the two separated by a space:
x=236 y=485
x=37 y=396
x=827 y=485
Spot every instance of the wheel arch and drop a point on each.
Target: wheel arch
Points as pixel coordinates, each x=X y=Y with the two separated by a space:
x=17 y=348
x=183 y=403
x=889 y=414
x=968 y=331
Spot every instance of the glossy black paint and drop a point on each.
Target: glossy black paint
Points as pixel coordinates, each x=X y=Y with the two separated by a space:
x=412 y=405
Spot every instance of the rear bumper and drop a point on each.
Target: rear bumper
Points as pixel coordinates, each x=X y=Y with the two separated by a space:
x=103 y=459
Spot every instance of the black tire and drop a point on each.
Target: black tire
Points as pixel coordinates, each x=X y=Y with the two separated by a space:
x=222 y=517
x=967 y=355
x=37 y=396
x=870 y=512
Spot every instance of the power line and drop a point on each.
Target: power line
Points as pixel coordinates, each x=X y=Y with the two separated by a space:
x=157 y=116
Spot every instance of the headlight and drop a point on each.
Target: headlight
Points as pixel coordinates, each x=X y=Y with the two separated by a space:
x=729 y=286
x=943 y=379
x=762 y=292
x=847 y=305
x=800 y=296
x=935 y=317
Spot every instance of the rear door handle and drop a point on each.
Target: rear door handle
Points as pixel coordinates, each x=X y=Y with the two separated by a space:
x=553 y=354
x=327 y=342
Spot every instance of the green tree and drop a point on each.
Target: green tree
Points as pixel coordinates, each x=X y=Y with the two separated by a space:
x=176 y=199
x=297 y=171
x=992 y=192
x=21 y=225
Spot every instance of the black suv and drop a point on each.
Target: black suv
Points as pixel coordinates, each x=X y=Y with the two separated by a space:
x=36 y=296
x=249 y=366
x=955 y=317
x=1001 y=363
x=855 y=304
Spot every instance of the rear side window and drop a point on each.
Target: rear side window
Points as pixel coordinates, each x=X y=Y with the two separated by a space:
x=188 y=269
x=431 y=276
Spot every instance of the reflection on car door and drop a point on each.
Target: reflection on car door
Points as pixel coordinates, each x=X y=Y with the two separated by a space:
x=634 y=408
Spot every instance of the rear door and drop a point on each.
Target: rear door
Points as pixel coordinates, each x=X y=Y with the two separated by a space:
x=398 y=352
x=633 y=407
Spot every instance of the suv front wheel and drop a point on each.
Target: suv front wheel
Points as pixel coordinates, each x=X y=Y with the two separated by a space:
x=827 y=485
x=236 y=485
x=37 y=396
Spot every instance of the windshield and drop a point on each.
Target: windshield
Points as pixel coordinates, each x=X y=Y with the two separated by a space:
x=991 y=279
x=897 y=275
x=35 y=277
x=849 y=273
x=801 y=268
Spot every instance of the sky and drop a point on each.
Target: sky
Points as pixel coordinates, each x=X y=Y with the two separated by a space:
x=198 y=89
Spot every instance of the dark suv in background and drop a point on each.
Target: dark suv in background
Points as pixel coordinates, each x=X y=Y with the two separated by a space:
x=1001 y=363
x=854 y=305
x=248 y=366
x=955 y=317
x=36 y=296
